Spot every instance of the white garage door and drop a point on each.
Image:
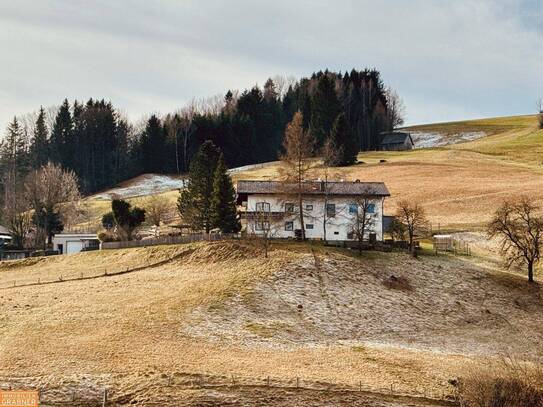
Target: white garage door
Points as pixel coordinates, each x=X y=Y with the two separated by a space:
x=73 y=247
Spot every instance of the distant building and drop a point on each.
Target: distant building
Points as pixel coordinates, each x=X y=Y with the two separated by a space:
x=5 y=235
x=268 y=208
x=396 y=141
x=69 y=243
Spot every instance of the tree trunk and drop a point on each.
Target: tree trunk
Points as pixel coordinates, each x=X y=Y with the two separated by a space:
x=531 y=271
x=301 y=207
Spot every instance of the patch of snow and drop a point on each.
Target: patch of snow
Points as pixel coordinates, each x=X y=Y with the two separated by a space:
x=428 y=140
x=142 y=186
x=150 y=184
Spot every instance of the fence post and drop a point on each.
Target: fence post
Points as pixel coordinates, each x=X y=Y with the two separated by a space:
x=104 y=399
x=297 y=382
x=268 y=381
x=391 y=389
x=233 y=380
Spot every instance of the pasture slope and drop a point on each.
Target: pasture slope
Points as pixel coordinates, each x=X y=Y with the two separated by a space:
x=214 y=324
x=208 y=323
x=460 y=185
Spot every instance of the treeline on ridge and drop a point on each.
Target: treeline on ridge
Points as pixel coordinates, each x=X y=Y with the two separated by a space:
x=104 y=148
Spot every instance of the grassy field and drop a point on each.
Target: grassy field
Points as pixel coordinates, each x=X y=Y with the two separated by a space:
x=221 y=309
x=459 y=185
x=180 y=317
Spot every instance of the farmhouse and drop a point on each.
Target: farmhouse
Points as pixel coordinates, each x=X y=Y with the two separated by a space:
x=272 y=207
x=396 y=141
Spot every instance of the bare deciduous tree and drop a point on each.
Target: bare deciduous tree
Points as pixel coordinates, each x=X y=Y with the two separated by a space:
x=364 y=217
x=16 y=213
x=519 y=226
x=330 y=157
x=395 y=109
x=263 y=227
x=52 y=190
x=187 y=128
x=157 y=207
x=412 y=216
x=173 y=125
x=298 y=144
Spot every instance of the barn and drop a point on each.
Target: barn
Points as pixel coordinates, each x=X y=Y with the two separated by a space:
x=396 y=141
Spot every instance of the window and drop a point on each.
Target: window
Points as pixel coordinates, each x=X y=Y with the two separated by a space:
x=371 y=208
x=336 y=233
x=289 y=226
x=309 y=207
x=289 y=207
x=262 y=207
x=262 y=225
x=353 y=208
x=330 y=210
x=309 y=226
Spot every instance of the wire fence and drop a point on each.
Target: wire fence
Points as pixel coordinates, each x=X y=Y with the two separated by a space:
x=109 y=396
x=77 y=276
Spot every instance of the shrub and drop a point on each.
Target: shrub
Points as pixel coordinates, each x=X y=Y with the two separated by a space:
x=511 y=385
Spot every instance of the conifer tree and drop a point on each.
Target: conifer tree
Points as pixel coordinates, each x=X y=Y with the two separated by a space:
x=39 y=153
x=223 y=202
x=344 y=140
x=153 y=147
x=325 y=107
x=194 y=203
x=61 y=135
x=13 y=157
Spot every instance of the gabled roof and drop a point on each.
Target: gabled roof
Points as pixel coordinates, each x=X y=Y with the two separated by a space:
x=313 y=188
x=396 y=137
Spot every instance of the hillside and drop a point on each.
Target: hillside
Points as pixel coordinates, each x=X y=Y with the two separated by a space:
x=183 y=316
x=460 y=185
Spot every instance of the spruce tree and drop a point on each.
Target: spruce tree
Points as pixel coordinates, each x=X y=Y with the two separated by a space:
x=325 y=107
x=194 y=203
x=344 y=140
x=39 y=153
x=153 y=147
x=61 y=135
x=223 y=202
x=13 y=153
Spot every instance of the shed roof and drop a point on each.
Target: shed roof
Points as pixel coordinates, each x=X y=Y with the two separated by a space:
x=313 y=187
x=396 y=137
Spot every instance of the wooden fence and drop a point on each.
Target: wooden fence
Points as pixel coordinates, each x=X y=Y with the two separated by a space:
x=165 y=240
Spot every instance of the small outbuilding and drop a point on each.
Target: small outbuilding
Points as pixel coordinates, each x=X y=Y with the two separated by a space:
x=69 y=243
x=5 y=235
x=396 y=141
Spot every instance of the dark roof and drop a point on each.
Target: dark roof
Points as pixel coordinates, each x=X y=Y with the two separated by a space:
x=313 y=187
x=4 y=230
x=396 y=137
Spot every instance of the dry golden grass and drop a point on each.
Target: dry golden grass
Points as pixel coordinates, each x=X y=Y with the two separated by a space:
x=127 y=331
x=461 y=185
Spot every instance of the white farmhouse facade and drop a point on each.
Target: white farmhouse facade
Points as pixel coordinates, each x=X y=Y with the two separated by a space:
x=335 y=206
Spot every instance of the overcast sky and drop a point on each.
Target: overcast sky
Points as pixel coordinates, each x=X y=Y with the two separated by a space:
x=449 y=60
